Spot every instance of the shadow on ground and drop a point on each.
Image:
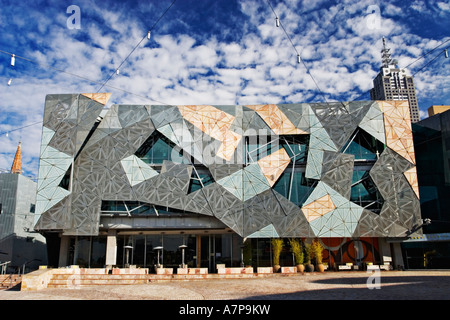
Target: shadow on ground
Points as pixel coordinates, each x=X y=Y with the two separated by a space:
x=361 y=288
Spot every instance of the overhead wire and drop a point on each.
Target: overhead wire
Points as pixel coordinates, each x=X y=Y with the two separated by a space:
x=147 y=36
x=103 y=84
x=300 y=59
x=430 y=62
x=419 y=58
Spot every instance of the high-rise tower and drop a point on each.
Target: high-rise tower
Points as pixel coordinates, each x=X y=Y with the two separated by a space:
x=393 y=83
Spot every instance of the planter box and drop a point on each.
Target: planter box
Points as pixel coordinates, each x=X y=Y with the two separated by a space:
x=265 y=270
x=235 y=270
x=385 y=266
x=164 y=271
x=373 y=267
x=288 y=269
x=192 y=271
x=347 y=266
x=129 y=271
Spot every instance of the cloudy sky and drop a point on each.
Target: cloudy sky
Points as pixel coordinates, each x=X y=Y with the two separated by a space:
x=214 y=52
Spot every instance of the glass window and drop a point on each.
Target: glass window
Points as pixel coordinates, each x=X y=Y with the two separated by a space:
x=300 y=188
x=296 y=145
x=138 y=251
x=158 y=148
x=204 y=175
x=258 y=147
x=364 y=192
x=65 y=181
x=82 y=251
x=98 y=254
x=151 y=255
x=364 y=146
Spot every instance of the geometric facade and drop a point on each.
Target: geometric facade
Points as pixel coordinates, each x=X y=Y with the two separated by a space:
x=341 y=169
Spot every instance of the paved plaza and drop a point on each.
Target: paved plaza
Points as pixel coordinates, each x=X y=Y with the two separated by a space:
x=384 y=285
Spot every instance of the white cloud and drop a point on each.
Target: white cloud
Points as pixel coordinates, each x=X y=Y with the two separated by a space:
x=444 y=6
x=336 y=44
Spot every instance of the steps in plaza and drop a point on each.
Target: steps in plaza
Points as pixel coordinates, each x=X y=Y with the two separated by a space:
x=92 y=277
x=74 y=277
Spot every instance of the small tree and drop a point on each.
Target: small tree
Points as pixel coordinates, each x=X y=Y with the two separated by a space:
x=277 y=246
x=316 y=251
x=297 y=249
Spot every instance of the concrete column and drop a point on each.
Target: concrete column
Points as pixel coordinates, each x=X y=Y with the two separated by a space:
x=391 y=252
x=396 y=248
x=385 y=251
x=111 y=249
x=64 y=252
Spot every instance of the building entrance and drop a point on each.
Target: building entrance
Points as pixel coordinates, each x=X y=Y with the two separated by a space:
x=205 y=251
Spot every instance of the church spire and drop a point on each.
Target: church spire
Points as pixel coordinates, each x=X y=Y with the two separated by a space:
x=17 y=165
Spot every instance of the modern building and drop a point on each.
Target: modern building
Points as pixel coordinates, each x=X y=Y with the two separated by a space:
x=432 y=145
x=433 y=110
x=133 y=183
x=19 y=244
x=393 y=83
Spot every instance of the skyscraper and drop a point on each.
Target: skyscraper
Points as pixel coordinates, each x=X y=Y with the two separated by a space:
x=393 y=83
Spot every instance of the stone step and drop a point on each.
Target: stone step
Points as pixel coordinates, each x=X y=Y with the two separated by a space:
x=99 y=276
x=94 y=282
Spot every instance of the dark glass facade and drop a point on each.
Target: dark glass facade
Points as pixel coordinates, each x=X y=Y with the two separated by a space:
x=432 y=145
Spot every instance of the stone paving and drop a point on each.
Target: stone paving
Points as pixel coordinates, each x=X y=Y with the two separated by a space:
x=384 y=285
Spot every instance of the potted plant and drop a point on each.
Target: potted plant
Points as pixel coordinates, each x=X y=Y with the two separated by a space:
x=316 y=253
x=297 y=249
x=277 y=246
x=309 y=267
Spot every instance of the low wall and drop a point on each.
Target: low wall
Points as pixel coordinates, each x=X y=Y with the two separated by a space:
x=235 y=270
x=36 y=280
x=130 y=271
x=192 y=271
x=164 y=270
x=288 y=269
x=264 y=270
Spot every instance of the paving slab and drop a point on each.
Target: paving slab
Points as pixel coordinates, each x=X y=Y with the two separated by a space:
x=344 y=285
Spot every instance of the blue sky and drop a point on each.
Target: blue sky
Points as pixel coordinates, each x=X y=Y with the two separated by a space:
x=215 y=52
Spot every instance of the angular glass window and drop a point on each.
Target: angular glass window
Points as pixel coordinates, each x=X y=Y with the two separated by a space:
x=363 y=146
x=158 y=148
x=204 y=175
x=258 y=147
x=296 y=191
x=65 y=181
x=296 y=145
x=365 y=193
x=138 y=208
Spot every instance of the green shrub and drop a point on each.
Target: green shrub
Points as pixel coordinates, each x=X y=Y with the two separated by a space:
x=277 y=246
x=297 y=249
x=316 y=251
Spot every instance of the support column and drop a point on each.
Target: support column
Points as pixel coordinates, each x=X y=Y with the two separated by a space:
x=385 y=251
x=111 y=249
x=391 y=252
x=397 y=255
